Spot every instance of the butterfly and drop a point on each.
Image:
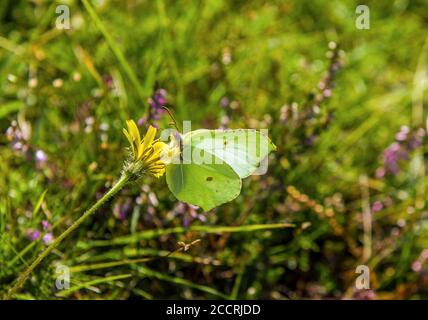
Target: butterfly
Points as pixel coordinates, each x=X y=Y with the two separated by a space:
x=206 y=167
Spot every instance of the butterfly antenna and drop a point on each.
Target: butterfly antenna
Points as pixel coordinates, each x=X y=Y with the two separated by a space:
x=174 y=122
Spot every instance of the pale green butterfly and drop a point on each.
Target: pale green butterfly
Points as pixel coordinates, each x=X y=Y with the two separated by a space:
x=208 y=165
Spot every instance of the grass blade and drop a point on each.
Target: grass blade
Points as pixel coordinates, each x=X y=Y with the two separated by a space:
x=154 y=274
x=156 y=233
x=116 y=51
x=67 y=292
x=10 y=107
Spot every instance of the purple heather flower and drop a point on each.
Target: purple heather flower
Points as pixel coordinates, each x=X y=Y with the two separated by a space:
x=416 y=266
x=158 y=99
x=18 y=131
x=41 y=159
x=18 y=134
x=180 y=208
x=41 y=156
x=47 y=238
x=156 y=103
x=380 y=172
x=402 y=134
x=224 y=102
x=108 y=81
x=18 y=146
x=157 y=115
x=406 y=141
x=141 y=121
x=122 y=210
x=46 y=225
x=424 y=254
x=365 y=295
x=414 y=143
x=394 y=153
x=186 y=221
x=327 y=93
x=189 y=213
x=33 y=234
x=377 y=206
x=416 y=139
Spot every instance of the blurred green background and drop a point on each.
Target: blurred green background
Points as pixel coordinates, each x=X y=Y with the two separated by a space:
x=344 y=106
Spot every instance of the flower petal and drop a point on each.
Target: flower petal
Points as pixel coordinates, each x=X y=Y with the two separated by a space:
x=157 y=148
x=157 y=171
x=133 y=131
x=130 y=140
x=148 y=140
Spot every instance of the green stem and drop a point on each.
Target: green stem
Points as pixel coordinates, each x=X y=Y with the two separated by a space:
x=24 y=275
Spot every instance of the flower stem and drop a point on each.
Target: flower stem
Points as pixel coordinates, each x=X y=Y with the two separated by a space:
x=24 y=275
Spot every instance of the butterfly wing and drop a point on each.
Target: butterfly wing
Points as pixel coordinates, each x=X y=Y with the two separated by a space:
x=242 y=149
x=207 y=185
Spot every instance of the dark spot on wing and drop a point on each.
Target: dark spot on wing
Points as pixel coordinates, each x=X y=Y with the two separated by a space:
x=209 y=178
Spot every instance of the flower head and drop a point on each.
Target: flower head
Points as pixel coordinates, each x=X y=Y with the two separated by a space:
x=145 y=152
x=158 y=99
x=33 y=234
x=46 y=225
x=48 y=238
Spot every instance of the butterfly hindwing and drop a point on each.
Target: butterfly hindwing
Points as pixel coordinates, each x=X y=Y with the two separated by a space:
x=212 y=164
x=207 y=185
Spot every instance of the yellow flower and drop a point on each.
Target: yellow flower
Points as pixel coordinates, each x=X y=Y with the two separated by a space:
x=145 y=152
